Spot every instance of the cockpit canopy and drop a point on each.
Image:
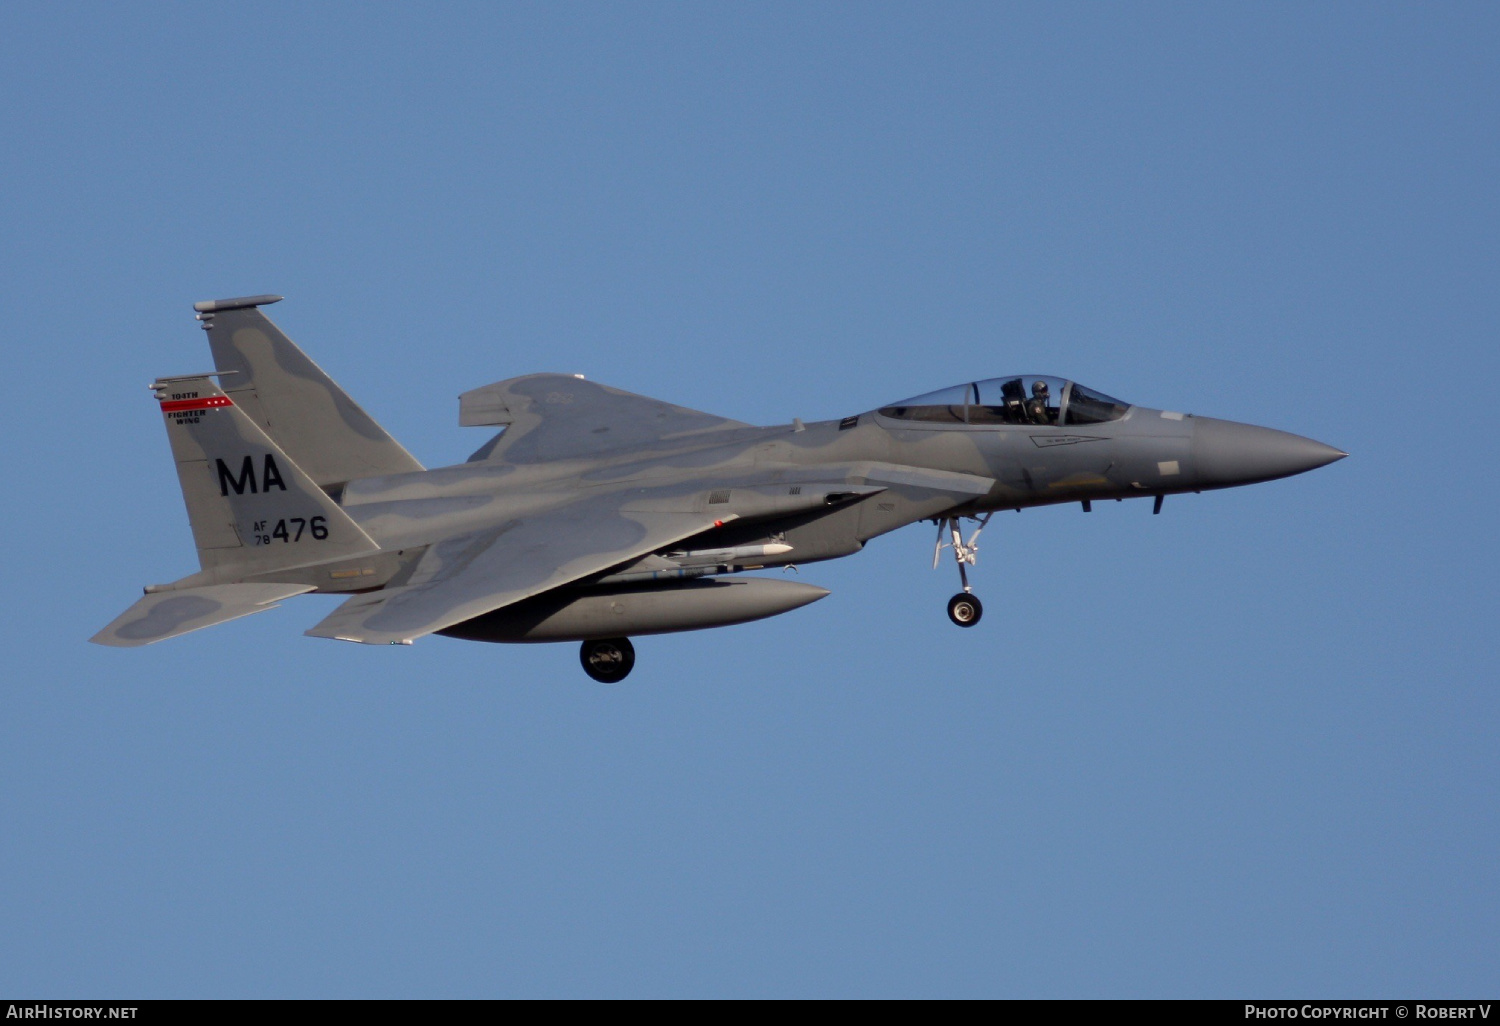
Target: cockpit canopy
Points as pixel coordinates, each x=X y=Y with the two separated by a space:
x=1030 y=399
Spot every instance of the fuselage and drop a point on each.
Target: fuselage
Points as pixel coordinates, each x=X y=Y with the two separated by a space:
x=758 y=476
x=597 y=514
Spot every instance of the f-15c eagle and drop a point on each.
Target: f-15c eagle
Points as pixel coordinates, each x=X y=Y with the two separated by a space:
x=595 y=514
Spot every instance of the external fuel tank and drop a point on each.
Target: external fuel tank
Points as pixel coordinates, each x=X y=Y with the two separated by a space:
x=619 y=611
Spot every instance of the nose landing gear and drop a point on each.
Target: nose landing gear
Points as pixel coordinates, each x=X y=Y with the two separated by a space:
x=608 y=661
x=964 y=609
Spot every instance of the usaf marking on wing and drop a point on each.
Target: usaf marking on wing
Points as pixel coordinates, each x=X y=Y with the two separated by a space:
x=595 y=515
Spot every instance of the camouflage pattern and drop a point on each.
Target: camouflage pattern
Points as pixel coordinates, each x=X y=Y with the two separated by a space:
x=597 y=513
x=166 y=614
x=327 y=433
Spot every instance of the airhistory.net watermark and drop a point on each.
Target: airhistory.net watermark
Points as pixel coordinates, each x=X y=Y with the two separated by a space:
x=42 y=1010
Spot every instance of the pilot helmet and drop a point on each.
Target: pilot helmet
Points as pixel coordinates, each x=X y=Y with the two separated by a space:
x=1038 y=388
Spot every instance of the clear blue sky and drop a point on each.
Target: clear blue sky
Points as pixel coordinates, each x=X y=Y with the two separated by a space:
x=1247 y=747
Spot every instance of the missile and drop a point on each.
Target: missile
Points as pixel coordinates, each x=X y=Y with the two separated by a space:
x=701 y=563
x=730 y=555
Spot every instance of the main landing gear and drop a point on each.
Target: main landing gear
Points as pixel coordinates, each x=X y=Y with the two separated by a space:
x=608 y=661
x=964 y=609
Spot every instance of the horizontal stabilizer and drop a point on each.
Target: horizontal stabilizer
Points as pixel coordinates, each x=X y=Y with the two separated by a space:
x=166 y=614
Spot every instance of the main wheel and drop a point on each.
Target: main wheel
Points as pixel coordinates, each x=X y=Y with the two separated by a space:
x=608 y=661
x=965 y=609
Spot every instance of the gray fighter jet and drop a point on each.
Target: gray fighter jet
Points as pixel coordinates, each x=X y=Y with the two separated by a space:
x=595 y=514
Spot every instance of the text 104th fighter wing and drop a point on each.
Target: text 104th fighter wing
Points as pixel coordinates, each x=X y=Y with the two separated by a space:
x=595 y=515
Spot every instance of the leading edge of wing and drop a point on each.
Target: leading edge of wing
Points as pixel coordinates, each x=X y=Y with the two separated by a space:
x=463 y=577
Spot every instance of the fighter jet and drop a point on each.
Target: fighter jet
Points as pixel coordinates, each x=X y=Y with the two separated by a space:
x=595 y=515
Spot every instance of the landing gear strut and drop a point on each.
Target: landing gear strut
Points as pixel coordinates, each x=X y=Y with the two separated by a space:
x=964 y=609
x=608 y=661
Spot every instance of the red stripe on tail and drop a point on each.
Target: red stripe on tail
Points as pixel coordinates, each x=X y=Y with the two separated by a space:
x=209 y=403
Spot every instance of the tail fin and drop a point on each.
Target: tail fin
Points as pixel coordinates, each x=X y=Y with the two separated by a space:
x=252 y=508
x=291 y=399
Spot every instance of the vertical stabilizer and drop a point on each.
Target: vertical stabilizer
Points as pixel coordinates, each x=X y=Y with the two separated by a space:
x=291 y=399
x=253 y=509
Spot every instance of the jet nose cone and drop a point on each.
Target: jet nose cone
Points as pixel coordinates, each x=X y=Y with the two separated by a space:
x=1226 y=453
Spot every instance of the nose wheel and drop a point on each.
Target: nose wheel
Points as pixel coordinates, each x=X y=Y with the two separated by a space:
x=608 y=661
x=964 y=609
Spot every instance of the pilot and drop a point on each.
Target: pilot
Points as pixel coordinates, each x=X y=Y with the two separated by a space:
x=1036 y=406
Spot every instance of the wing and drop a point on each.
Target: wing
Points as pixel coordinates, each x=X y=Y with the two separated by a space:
x=166 y=614
x=472 y=574
x=558 y=416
